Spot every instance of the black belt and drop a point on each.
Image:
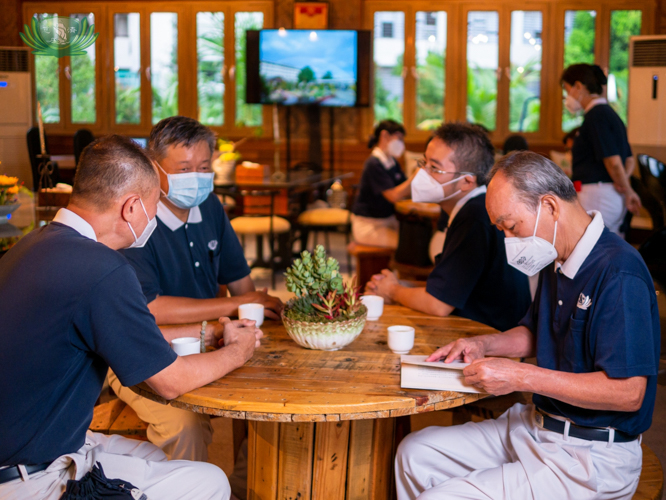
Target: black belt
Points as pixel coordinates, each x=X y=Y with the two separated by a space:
x=578 y=431
x=11 y=473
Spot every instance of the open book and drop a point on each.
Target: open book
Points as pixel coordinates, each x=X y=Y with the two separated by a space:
x=417 y=373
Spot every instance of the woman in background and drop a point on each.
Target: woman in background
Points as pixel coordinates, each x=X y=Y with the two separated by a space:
x=602 y=162
x=383 y=183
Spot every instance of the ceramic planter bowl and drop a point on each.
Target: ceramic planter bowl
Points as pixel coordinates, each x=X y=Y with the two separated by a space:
x=5 y=210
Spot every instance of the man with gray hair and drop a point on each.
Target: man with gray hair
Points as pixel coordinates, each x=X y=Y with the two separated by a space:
x=71 y=308
x=594 y=329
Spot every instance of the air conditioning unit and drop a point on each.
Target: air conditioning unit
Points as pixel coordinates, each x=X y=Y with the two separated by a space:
x=646 y=120
x=15 y=112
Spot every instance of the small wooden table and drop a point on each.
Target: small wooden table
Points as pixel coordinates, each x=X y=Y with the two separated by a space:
x=322 y=423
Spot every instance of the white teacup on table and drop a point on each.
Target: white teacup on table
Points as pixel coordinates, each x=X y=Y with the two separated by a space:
x=184 y=346
x=401 y=339
x=375 y=305
x=252 y=311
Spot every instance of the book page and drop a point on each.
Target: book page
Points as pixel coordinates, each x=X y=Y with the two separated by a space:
x=421 y=361
x=418 y=376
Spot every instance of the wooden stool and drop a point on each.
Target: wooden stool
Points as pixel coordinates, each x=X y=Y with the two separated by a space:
x=369 y=260
x=651 y=482
x=115 y=417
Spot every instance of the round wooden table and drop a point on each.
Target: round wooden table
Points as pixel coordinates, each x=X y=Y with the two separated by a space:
x=322 y=423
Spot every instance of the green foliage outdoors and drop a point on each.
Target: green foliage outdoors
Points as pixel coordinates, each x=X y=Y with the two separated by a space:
x=210 y=87
x=48 y=87
x=247 y=115
x=306 y=75
x=165 y=97
x=624 y=23
x=84 y=108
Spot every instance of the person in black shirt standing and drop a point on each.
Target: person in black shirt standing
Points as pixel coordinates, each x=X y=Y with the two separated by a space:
x=602 y=158
x=382 y=184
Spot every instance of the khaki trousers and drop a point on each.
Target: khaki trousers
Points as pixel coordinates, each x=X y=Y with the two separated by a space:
x=375 y=232
x=181 y=434
x=138 y=462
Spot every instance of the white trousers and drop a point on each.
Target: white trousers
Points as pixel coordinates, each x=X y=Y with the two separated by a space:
x=181 y=434
x=141 y=463
x=512 y=458
x=375 y=232
x=603 y=197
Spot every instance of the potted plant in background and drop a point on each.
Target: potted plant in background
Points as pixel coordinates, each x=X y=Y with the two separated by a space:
x=326 y=313
x=225 y=164
x=8 y=197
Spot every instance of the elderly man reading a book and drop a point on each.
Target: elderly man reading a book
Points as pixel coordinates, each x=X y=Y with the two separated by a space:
x=594 y=329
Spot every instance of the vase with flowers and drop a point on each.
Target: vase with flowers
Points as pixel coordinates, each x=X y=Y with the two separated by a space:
x=8 y=197
x=225 y=164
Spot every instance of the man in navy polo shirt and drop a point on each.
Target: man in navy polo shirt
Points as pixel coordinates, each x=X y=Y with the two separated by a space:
x=594 y=328
x=471 y=277
x=192 y=252
x=71 y=307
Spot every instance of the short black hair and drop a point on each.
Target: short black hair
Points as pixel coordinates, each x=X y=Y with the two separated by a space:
x=515 y=143
x=177 y=131
x=590 y=75
x=391 y=126
x=110 y=167
x=473 y=151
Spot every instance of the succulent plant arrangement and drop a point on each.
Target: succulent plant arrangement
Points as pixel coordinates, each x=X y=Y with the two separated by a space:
x=321 y=293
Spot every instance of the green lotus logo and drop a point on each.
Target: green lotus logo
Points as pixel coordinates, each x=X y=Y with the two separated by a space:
x=59 y=36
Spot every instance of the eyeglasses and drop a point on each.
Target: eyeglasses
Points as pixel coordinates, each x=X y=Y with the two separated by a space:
x=432 y=170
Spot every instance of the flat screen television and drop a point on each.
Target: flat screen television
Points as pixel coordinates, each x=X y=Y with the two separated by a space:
x=306 y=67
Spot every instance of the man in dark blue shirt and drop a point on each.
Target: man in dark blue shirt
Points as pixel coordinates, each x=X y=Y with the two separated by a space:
x=192 y=253
x=594 y=329
x=471 y=277
x=72 y=307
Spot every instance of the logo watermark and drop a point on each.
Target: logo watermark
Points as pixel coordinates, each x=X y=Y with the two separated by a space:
x=59 y=36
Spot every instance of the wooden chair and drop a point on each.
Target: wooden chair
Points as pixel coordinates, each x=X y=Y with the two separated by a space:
x=326 y=220
x=259 y=219
x=369 y=260
x=115 y=417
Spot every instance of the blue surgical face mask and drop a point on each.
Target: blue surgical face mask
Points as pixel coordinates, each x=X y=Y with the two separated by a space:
x=190 y=189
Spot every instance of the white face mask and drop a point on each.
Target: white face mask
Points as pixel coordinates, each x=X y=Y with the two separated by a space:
x=425 y=189
x=143 y=239
x=395 y=148
x=572 y=104
x=530 y=255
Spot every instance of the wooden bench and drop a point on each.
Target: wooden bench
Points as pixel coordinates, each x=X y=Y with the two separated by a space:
x=369 y=260
x=115 y=417
x=651 y=482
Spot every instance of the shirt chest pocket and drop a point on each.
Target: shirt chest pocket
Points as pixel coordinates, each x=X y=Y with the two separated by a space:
x=575 y=347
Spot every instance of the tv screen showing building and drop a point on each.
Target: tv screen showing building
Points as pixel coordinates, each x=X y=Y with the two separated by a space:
x=308 y=67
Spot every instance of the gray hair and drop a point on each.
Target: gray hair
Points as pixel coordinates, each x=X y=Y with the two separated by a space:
x=178 y=131
x=534 y=176
x=111 y=167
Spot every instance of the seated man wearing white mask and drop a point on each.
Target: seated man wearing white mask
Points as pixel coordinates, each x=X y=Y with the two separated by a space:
x=594 y=329
x=471 y=278
x=192 y=252
x=71 y=307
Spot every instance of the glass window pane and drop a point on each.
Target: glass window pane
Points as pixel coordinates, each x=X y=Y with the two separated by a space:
x=389 y=51
x=84 y=104
x=482 y=64
x=47 y=83
x=624 y=23
x=247 y=115
x=579 y=33
x=431 y=69
x=210 y=64
x=127 y=67
x=525 y=86
x=164 y=64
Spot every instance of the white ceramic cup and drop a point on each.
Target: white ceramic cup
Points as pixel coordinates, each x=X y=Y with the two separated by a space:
x=375 y=305
x=185 y=346
x=252 y=311
x=400 y=339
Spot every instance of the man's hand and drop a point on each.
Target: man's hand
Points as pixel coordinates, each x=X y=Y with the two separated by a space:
x=241 y=334
x=632 y=201
x=383 y=285
x=496 y=376
x=272 y=305
x=466 y=350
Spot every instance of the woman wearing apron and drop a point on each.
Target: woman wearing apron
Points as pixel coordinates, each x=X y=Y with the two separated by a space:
x=602 y=159
x=383 y=183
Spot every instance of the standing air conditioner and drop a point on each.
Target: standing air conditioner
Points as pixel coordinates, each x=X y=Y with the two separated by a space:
x=647 y=94
x=15 y=113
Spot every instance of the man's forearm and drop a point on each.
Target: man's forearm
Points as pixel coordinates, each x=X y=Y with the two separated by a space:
x=179 y=310
x=595 y=391
x=420 y=300
x=515 y=343
x=241 y=286
x=617 y=172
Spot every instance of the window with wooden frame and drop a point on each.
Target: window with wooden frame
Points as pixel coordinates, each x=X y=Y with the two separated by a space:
x=495 y=65
x=152 y=60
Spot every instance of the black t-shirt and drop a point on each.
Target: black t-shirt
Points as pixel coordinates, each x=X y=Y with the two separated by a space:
x=71 y=307
x=376 y=179
x=602 y=135
x=473 y=275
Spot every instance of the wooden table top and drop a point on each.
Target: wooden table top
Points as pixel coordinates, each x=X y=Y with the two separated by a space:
x=428 y=210
x=288 y=383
